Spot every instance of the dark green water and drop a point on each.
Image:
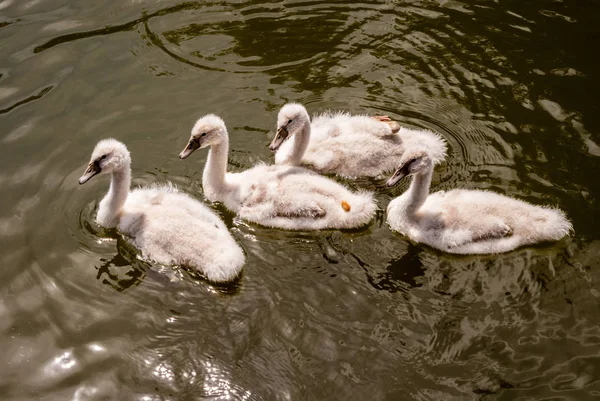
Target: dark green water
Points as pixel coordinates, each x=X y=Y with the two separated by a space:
x=362 y=315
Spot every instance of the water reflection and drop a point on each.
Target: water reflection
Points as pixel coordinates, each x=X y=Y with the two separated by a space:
x=27 y=100
x=124 y=270
x=402 y=273
x=334 y=315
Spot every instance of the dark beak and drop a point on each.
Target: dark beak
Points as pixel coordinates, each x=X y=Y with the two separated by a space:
x=280 y=136
x=399 y=174
x=92 y=170
x=192 y=145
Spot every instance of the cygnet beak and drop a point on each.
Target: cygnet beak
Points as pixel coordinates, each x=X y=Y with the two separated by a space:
x=192 y=145
x=399 y=174
x=280 y=136
x=92 y=170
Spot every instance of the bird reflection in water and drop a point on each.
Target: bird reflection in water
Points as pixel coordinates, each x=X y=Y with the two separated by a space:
x=123 y=270
x=401 y=273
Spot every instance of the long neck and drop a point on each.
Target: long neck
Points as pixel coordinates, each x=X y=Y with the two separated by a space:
x=213 y=178
x=418 y=191
x=112 y=204
x=301 y=139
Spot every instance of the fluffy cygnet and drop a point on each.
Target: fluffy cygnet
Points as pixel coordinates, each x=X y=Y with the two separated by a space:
x=350 y=146
x=467 y=221
x=168 y=226
x=286 y=197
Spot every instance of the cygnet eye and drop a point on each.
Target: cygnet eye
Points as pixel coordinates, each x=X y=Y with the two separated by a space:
x=103 y=157
x=203 y=134
x=289 y=121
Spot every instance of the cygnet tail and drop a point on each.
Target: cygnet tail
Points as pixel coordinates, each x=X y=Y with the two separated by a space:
x=226 y=265
x=357 y=210
x=548 y=224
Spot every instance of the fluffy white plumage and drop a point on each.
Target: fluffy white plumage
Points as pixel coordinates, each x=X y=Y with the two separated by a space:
x=286 y=197
x=347 y=145
x=467 y=221
x=168 y=226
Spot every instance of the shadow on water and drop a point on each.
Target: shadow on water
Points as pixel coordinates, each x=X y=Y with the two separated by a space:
x=124 y=270
x=402 y=273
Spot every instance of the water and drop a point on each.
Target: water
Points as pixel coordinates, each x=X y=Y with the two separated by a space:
x=361 y=315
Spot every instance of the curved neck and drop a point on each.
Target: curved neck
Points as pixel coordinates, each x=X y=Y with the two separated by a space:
x=418 y=191
x=114 y=200
x=301 y=140
x=213 y=178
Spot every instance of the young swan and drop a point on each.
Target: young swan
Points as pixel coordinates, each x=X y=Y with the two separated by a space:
x=168 y=226
x=286 y=197
x=346 y=145
x=467 y=221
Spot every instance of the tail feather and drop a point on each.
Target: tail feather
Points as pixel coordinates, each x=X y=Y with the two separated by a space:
x=550 y=225
x=360 y=210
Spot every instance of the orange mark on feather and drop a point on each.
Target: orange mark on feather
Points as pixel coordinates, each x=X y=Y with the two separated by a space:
x=345 y=206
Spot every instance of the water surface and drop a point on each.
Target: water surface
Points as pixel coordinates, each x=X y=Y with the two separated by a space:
x=361 y=315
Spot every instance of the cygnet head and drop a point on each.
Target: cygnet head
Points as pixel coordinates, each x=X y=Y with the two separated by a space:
x=411 y=163
x=291 y=118
x=208 y=130
x=108 y=156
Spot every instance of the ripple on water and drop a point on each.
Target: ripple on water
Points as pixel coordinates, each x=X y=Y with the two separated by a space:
x=230 y=40
x=331 y=315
